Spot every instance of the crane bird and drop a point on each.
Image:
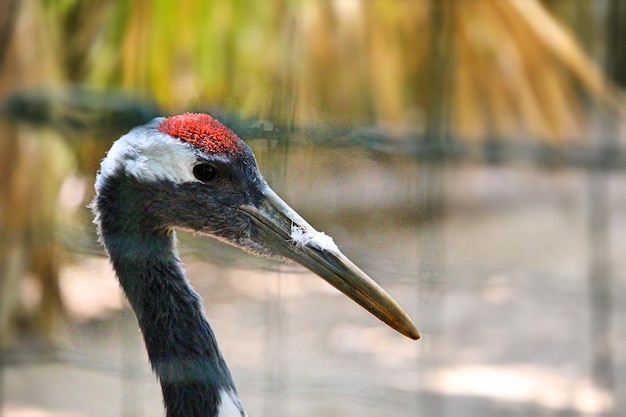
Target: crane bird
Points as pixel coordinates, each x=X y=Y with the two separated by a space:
x=191 y=172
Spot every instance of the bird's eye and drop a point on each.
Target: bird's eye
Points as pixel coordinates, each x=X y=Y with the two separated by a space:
x=205 y=172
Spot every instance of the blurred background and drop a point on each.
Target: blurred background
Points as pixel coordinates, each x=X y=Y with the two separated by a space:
x=467 y=154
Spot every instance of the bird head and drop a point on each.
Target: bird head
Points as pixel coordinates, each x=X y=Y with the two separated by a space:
x=192 y=172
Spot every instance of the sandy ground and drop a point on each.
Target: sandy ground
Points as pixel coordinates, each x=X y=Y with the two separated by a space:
x=498 y=286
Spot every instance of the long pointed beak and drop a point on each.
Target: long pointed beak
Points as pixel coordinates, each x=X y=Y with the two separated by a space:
x=289 y=235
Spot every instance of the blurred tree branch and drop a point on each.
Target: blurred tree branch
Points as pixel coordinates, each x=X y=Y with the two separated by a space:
x=616 y=47
x=8 y=13
x=82 y=115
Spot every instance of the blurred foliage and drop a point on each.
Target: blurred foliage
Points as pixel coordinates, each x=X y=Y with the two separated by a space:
x=514 y=70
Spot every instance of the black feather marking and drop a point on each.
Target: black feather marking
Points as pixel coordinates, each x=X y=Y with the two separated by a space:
x=181 y=345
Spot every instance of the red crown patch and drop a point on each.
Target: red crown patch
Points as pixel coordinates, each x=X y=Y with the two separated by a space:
x=202 y=131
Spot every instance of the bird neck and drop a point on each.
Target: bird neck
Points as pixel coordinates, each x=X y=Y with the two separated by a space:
x=181 y=345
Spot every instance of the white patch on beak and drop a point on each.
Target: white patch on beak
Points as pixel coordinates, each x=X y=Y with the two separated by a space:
x=147 y=154
x=313 y=238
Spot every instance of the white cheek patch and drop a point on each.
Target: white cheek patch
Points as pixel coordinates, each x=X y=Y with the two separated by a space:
x=312 y=238
x=230 y=406
x=150 y=155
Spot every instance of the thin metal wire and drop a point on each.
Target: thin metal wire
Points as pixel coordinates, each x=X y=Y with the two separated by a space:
x=600 y=278
x=129 y=359
x=275 y=348
x=432 y=204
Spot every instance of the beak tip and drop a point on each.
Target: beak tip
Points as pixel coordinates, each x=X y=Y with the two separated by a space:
x=412 y=332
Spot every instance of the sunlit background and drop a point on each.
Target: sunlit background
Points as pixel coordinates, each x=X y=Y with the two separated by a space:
x=467 y=154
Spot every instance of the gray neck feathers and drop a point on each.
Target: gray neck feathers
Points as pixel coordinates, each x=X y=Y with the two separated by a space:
x=181 y=345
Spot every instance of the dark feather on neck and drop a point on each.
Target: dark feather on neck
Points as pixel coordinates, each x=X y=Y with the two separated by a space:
x=181 y=345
